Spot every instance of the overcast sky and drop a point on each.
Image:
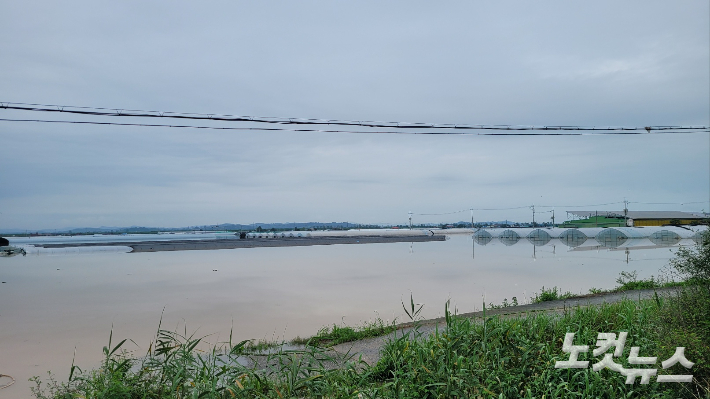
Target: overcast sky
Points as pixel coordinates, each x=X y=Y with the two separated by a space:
x=601 y=63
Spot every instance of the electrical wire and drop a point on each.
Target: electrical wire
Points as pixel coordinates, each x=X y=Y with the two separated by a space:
x=472 y=209
x=555 y=206
x=578 y=206
x=439 y=214
x=667 y=203
x=585 y=133
x=117 y=112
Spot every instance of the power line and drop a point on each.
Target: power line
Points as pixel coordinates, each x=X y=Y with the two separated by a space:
x=584 y=133
x=117 y=112
x=667 y=203
x=439 y=214
x=578 y=206
x=555 y=206
x=503 y=209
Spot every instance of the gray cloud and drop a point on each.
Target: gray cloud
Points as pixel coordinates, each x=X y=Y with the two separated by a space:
x=606 y=63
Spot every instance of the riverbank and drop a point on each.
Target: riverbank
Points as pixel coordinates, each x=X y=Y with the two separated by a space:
x=370 y=348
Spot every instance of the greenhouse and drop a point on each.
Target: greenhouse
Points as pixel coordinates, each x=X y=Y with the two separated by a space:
x=509 y=237
x=482 y=237
x=573 y=237
x=665 y=237
x=539 y=237
x=611 y=238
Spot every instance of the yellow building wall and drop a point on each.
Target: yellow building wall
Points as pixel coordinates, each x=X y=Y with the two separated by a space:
x=659 y=222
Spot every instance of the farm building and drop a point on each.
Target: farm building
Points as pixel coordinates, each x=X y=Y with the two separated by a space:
x=645 y=218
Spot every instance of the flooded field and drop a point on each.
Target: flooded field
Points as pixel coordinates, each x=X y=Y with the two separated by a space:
x=52 y=303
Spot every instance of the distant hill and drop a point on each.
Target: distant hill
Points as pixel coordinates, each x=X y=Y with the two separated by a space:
x=207 y=227
x=245 y=227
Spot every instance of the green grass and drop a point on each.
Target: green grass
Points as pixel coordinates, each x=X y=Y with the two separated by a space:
x=629 y=281
x=262 y=345
x=330 y=336
x=550 y=294
x=515 y=357
x=594 y=221
x=504 y=304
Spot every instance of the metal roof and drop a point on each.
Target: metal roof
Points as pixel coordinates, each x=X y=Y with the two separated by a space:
x=640 y=214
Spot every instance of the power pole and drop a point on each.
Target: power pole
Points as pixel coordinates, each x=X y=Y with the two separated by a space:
x=553 y=218
x=533 y=210
x=626 y=212
x=410 y=220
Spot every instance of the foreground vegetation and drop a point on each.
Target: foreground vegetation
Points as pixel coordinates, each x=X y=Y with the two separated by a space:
x=493 y=357
x=628 y=281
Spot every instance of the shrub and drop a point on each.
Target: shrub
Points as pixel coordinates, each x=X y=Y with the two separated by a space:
x=551 y=294
x=694 y=263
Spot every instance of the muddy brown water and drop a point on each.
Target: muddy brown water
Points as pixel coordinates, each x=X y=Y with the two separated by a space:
x=51 y=305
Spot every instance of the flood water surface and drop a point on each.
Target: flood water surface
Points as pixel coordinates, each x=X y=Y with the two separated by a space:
x=51 y=305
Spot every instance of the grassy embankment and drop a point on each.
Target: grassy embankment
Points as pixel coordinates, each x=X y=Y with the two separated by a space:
x=490 y=358
x=330 y=336
x=628 y=281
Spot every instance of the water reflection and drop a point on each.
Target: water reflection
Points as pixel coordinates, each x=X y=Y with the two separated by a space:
x=611 y=238
x=573 y=238
x=594 y=238
x=539 y=237
x=665 y=238
x=509 y=237
x=482 y=237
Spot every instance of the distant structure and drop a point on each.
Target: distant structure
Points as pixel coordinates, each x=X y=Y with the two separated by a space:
x=635 y=218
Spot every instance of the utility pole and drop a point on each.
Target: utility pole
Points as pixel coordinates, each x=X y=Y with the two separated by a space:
x=553 y=218
x=533 y=209
x=626 y=212
x=410 y=220
x=472 y=219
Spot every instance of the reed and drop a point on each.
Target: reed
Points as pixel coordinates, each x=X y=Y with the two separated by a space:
x=491 y=357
